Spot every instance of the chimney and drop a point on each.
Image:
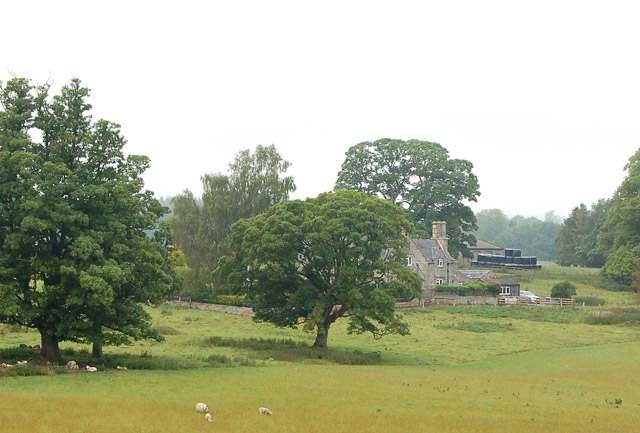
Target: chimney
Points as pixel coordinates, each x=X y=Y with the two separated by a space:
x=439 y=233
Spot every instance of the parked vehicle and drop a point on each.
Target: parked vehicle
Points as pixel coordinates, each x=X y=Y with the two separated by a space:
x=530 y=296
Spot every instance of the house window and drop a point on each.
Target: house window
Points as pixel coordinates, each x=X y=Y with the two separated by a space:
x=409 y=260
x=439 y=281
x=506 y=290
x=440 y=263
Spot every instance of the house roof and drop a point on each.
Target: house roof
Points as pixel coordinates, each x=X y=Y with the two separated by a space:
x=474 y=274
x=484 y=245
x=508 y=282
x=429 y=248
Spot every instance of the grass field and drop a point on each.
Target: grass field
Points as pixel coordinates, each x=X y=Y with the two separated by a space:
x=464 y=369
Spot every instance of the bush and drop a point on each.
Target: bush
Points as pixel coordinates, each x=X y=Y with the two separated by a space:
x=28 y=369
x=563 y=290
x=14 y=354
x=471 y=288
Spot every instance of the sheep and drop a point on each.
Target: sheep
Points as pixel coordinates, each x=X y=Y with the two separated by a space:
x=91 y=369
x=72 y=365
x=21 y=362
x=3 y=365
x=202 y=408
x=121 y=368
x=207 y=417
x=264 y=411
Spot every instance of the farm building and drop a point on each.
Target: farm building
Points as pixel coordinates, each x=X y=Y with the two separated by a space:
x=430 y=258
x=463 y=276
x=509 y=287
x=481 y=247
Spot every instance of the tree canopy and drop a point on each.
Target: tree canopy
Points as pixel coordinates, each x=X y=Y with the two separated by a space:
x=311 y=262
x=255 y=183
x=421 y=178
x=75 y=262
x=619 y=239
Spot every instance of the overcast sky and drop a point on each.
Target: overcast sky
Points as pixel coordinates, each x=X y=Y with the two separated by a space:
x=542 y=97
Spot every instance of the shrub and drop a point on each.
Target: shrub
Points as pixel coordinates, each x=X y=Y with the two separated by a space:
x=28 y=369
x=12 y=355
x=563 y=290
x=473 y=287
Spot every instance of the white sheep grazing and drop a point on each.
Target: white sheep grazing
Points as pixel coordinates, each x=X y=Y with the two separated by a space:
x=264 y=411
x=72 y=365
x=202 y=408
x=121 y=368
x=21 y=362
x=207 y=417
x=3 y=365
x=92 y=369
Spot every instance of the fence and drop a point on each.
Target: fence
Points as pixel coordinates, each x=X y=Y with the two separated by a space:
x=547 y=302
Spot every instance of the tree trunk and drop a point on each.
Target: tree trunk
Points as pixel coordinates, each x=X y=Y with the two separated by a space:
x=50 y=350
x=96 y=352
x=321 y=337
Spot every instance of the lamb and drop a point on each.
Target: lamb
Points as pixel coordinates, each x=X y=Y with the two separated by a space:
x=264 y=411
x=207 y=417
x=91 y=369
x=21 y=362
x=121 y=368
x=202 y=408
x=72 y=365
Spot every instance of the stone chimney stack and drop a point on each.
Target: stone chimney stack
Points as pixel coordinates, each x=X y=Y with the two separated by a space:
x=439 y=233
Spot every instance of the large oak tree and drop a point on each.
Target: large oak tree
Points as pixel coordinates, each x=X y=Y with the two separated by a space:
x=421 y=178
x=311 y=262
x=75 y=262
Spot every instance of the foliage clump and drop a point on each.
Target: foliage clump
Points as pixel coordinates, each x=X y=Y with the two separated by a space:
x=563 y=289
x=472 y=288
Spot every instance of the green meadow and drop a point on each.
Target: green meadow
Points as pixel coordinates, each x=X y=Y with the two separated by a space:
x=462 y=369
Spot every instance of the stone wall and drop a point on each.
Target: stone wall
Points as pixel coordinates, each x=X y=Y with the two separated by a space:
x=230 y=309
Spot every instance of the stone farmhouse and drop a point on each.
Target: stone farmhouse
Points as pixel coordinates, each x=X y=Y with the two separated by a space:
x=430 y=258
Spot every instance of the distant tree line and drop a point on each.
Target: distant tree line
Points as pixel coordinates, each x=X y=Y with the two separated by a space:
x=532 y=235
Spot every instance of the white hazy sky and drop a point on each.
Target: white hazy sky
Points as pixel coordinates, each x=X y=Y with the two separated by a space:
x=543 y=97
